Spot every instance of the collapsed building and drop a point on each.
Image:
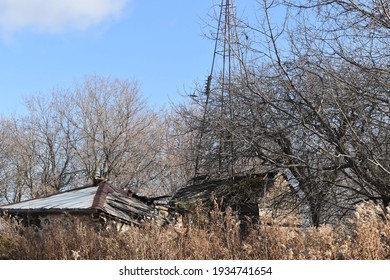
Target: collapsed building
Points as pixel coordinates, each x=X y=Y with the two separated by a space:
x=97 y=204
x=260 y=197
x=254 y=198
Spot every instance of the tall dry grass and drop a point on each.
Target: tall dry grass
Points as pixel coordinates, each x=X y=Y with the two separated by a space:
x=217 y=235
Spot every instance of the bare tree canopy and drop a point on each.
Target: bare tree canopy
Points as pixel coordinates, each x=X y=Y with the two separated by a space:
x=309 y=92
x=100 y=128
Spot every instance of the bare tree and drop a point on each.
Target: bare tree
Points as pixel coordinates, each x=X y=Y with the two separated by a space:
x=55 y=169
x=312 y=95
x=18 y=160
x=110 y=129
x=100 y=128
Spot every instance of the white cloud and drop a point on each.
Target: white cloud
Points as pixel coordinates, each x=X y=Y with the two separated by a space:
x=57 y=15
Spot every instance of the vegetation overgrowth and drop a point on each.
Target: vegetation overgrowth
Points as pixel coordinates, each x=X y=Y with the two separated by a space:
x=363 y=235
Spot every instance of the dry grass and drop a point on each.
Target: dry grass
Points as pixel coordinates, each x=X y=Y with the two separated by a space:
x=365 y=235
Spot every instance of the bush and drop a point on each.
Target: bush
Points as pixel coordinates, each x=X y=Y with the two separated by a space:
x=364 y=235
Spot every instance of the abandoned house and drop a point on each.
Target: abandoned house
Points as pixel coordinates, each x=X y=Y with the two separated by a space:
x=94 y=204
x=254 y=198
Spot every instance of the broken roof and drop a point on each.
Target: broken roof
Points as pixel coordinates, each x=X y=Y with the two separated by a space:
x=104 y=197
x=241 y=194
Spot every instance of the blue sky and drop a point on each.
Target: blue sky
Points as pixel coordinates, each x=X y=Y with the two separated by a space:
x=53 y=44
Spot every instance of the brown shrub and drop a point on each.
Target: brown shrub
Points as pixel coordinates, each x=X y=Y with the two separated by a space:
x=217 y=235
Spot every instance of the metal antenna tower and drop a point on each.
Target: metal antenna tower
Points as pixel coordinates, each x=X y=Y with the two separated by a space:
x=226 y=40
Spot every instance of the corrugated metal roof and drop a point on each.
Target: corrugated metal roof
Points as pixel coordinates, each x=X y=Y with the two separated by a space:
x=103 y=197
x=76 y=199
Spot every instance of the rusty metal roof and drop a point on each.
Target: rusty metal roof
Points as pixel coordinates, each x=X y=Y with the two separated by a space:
x=102 y=197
